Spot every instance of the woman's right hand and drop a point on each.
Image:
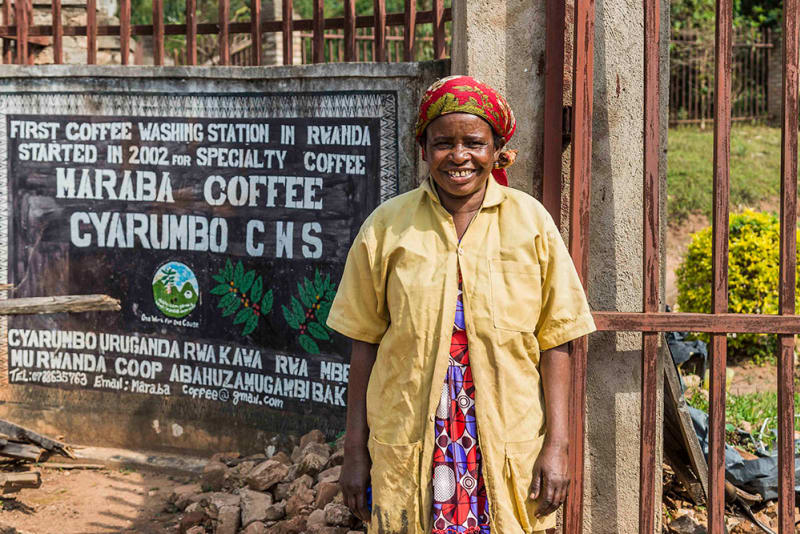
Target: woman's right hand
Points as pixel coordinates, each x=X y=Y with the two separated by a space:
x=354 y=480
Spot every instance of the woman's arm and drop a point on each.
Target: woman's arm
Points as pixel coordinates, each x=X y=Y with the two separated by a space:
x=550 y=472
x=354 y=477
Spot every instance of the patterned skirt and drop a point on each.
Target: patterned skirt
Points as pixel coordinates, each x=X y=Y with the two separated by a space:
x=460 y=504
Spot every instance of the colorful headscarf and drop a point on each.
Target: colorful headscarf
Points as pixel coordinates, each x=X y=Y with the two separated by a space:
x=464 y=94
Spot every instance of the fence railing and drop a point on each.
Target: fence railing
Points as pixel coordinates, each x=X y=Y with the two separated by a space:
x=650 y=321
x=691 y=82
x=18 y=33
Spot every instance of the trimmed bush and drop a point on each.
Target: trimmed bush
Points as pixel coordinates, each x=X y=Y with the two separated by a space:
x=753 y=266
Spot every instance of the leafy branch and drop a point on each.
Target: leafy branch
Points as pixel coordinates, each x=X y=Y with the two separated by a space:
x=309 y=314
x=242 y=293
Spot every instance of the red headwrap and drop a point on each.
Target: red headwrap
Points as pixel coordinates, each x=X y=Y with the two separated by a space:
x=463 y=94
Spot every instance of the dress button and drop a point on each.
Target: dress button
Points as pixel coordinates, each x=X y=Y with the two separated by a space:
x=460 y=251
x=433 y=417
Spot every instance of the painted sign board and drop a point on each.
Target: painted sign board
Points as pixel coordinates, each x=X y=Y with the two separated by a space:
x=221 y=222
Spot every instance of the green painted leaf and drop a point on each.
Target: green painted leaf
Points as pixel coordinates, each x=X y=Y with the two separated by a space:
x=226 y=300
x=322 y=312
x=219 y=278
x=290 y=319
x=316 y=330
x=250 y=325
x=247 y=281
x=221 y=289
x=256 y=290
x=228 y=271
x=304 y=296
x=238 y=272
x=243 y=315
x=298 y=311
x=266 y=303
x=232 y=307
x=317 y=282
x=308 y=344
x=330 y=293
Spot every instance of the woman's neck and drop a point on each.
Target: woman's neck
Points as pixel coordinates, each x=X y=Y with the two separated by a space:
x=461 y=205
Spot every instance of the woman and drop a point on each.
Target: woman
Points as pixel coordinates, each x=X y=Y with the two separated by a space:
x=459 y=297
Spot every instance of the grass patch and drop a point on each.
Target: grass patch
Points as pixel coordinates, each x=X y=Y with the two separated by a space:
x=755 y=168
x=751 y=408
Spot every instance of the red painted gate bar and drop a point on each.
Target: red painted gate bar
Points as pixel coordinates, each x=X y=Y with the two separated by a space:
x=125 y=31
x=788 y=251
x=553 y=95
x=57 y=33
x=91 y=31
x=650 y=265
x=580 y=199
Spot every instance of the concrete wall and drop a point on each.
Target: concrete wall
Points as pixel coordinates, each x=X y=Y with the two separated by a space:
x=140 y=421
x=502 y=42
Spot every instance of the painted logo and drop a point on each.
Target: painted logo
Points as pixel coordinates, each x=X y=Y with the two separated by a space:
x=175 y=290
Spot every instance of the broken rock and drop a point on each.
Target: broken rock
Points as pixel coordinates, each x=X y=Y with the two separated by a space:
x=266 y=474
x=338 y=514
x=315 y=436
x=254 y=505
x=228 y=520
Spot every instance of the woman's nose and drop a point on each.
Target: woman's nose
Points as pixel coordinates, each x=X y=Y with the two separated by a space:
x=459 y=154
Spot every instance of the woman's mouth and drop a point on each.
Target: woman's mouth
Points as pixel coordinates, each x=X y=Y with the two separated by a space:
x=460 y=174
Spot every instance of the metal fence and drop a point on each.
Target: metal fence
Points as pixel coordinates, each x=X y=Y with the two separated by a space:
x=691 y=80
x=17 y=32
x=651 y=321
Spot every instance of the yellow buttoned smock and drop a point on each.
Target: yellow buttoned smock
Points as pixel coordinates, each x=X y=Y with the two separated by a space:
x=521 y=296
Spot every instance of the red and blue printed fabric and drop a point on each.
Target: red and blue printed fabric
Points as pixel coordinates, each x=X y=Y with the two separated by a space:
x=460 y=503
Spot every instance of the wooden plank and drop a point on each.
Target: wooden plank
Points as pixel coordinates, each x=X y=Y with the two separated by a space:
x=191 y=32
x=21 y=433
x=21 y=21
x=21 y=451
x=696 y=322
x=61 y=304
x=91 y=32
x=158 y=32
x=553 y=107
x=410 y=29
x=125 y=31
x=650 y=267
x=350 y=30
x=788 y=264
x=675 y=405
x=286 y=29
x=224 y=36
x=14 y=481
x=379 y=30
x=580 y=174
x=58 y=29
x=255 y=34
x=719 y=254
x=438 y=29
x=318 y=40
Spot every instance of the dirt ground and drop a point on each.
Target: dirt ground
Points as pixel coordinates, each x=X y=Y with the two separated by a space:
x=112 y=500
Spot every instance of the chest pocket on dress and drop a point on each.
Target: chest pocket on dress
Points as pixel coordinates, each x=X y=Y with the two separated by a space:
x=516 y=295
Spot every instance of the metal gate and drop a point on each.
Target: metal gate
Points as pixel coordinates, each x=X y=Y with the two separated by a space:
x=651 y=320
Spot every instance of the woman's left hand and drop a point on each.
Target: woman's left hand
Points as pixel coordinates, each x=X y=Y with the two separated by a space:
x=550 y=478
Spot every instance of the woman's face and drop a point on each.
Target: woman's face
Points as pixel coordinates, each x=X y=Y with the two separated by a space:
x=460 y=152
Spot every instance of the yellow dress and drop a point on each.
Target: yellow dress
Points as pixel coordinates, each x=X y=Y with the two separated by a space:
x=521 y=296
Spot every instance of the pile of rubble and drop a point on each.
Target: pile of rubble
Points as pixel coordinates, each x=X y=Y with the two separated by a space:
x=279 y=494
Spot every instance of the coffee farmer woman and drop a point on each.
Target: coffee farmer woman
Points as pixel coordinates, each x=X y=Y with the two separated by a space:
x=460 y=298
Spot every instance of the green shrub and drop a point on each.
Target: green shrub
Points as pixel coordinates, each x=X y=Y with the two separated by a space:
x=753 y=265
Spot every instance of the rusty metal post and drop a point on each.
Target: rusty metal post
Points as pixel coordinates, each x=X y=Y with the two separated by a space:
x=719 y=294
x=91 y=32
x=380 y=30
x=409 y=30
x=286 y=28
x=255 y=31
x=224 y=41
x=191 y=32
x=553 y=105
x=21 y=20
x=651 y=272
x=580 y=199
x=125 y=31
x=786 y=459
x=58 y=33
x=158 y=32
